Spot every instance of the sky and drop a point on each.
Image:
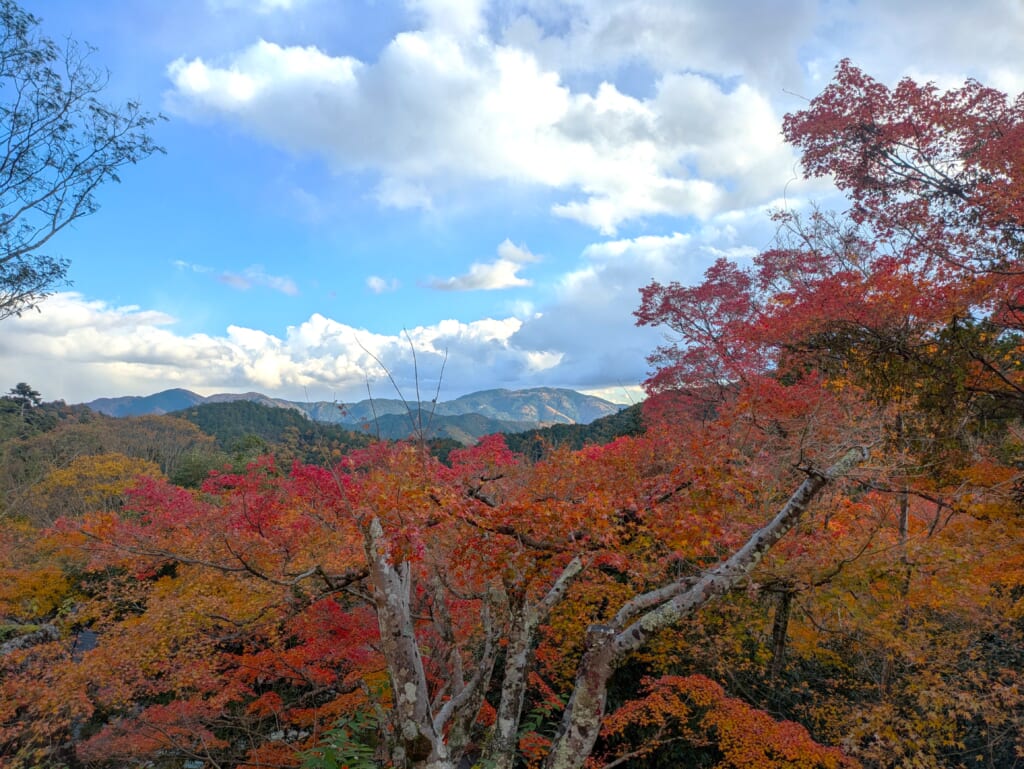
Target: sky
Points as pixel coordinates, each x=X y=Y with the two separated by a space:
x=463 y=193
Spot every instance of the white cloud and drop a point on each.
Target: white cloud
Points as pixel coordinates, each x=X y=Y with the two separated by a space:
x=440 y=107
x=582 y=335
x=403 y=194
x=491 y=276
x=462 y=18
x=235 y=280
x=509 y=251
x=626 y=394
x=718 y=239
x=79 y=349
x=941 y=40
x=730 y=37
x=644 y=246
x=379 y=285
x=263 y=71
x=484 y=277
x=663 y=111
x=181 y=264
x=777 y=45
x=512 y=92
x=276 y=282
x=590 y=318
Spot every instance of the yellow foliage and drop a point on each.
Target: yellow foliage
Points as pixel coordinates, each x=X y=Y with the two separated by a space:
x=33 y=593
x=32 y=584
x=87 y=484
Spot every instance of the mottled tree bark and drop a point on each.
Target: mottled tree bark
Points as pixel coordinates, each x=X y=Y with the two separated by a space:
x=526 y=617
x=418 y=745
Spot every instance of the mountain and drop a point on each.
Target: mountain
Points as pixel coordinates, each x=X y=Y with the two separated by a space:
x=259 y=398
x=464 y=428
x=138 y=405
x=524 y=408
x=538 y=406
x=546 y=405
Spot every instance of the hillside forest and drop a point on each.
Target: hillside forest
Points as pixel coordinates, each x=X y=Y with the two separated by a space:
x=809 y=552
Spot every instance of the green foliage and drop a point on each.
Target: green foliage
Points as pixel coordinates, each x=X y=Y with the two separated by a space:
x=442 y=447
x=466 y=429
x=196 y=466
x=245 y=429
x=23 y=413
x=23 y=394
x=53 y=435
x=61 y=143
x=349 y=745
x=535 y=444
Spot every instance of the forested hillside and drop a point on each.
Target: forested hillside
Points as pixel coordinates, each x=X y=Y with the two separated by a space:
x=55 y=459
x=536 y=443
x=465 y=429
x=806 y=548
x=246 y=427
x=464 y=419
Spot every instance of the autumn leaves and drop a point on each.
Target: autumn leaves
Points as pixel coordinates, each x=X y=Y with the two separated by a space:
x=669 y=597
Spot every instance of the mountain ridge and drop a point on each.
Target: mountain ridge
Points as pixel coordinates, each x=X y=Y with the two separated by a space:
x=521 y=409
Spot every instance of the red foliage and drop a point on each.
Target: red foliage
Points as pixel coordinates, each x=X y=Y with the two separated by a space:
x=697 y=712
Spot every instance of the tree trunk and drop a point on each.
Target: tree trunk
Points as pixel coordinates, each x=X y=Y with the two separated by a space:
x=780 y=630
x=888 y=670
x=581 y=721
x=418 y=745
x=503 y=747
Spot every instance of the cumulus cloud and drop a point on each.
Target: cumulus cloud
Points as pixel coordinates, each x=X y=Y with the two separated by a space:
x=532 y=92
x=589 y=320
x=655 y=113
x=777 y=45
x=441 y=105
x=729 y=37
x=79 y=349
x=492 y=276
x=892 y=40
x=461 y=18
x=581 y=335
x=726 y=237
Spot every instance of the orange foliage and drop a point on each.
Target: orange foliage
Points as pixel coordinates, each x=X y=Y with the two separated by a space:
x=695 y=711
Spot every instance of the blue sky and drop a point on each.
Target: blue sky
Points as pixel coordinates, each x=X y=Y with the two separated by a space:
x=491 y=179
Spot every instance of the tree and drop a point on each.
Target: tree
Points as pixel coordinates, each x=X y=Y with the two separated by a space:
x=275 y=604
x=904 y=311
x=22 y=413
x=22 y=393
x=88 y=483
x=936 y=182
x=24 y=396
x=26 y=461
x=823 y=515
x=60 y=144
x=937 y=174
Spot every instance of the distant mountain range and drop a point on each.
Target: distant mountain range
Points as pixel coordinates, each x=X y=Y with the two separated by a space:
x=464 y=418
